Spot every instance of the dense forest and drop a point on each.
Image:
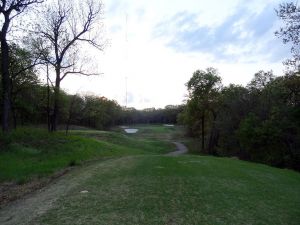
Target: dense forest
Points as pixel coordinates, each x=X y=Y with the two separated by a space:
x=259 y=122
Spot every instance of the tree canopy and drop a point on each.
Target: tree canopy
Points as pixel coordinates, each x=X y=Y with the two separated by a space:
x=289 y=13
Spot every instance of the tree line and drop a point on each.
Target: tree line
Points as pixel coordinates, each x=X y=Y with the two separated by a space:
x=32 y=102
x=53 y=32
x=259 y=122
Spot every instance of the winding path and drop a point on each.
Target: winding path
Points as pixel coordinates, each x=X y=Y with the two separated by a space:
x=27 y=209
x=181 y=149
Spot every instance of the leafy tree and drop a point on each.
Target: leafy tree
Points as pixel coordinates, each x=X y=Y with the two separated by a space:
x=171 y=112
x=151 y=115
x=9 y=9
x=24 y=82
x=99 y=112
x=259 y=122
x=261 y=93
x=233 y=107
x=203 y=90
x=75 y=110
x=261 y=79
x=289 y=13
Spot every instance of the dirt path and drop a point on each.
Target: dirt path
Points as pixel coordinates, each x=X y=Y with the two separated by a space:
x=181 y=149
x=25 y=210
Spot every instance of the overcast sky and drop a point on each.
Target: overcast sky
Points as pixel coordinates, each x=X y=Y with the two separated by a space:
x=164 y=41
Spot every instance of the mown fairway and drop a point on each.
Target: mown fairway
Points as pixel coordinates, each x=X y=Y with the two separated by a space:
x=178 y=190
x=158 y=189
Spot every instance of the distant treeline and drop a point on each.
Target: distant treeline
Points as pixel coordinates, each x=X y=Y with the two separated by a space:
x=259 y=122
x=32 y=102
x=167 y=115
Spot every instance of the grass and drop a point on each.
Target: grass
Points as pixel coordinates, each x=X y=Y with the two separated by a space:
x=131 y=141
x=139 y=185
x=32 y=153
x=181 y=190
x=157 y=131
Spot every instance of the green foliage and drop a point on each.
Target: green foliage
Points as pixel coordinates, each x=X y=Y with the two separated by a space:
x=261 y=79
x=167 y=115
x=204 y=84
x=25 y=86
x=100 y=112
x=233 y=106
x=259 y=122
x=202 y=105
x=289 y=13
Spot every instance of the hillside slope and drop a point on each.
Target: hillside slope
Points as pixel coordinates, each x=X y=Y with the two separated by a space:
x=166 y=190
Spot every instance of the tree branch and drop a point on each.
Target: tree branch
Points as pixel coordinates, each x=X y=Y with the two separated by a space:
x=79 y=73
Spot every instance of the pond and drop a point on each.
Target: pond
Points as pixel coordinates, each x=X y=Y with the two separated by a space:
x=131 y=130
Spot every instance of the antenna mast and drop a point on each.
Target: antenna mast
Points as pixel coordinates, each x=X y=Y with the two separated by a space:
x=126 y=92
x=126 y=56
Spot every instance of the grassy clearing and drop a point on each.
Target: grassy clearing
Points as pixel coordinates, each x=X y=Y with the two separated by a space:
x=181 y=190
x=176 y=133
x=157 y=131
x=32 y=153
x=131 y=141
x=143 y=187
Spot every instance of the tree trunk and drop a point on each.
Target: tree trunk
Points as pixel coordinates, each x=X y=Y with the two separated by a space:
x=56 y=101
x=13 y=105
x=68 y=124
x=48 y=102
x=14 y=114
x=6 y=106
x=203 y=132
x=213 y=137
x=70 y=114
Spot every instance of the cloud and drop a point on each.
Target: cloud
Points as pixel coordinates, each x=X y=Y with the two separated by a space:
x=140 y=13
x=116 y=6
x=115 y=28
x=243 y=36
x=130 y=98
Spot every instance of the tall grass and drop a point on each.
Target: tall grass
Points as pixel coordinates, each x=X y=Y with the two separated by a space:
x=30 y=152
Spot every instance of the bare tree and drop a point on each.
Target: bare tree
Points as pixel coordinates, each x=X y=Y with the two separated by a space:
x=65 y=25
x=9 y=9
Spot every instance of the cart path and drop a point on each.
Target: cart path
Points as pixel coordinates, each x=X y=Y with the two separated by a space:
x=181 y=149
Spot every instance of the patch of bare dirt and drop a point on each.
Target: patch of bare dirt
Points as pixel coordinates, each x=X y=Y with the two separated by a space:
x=25 y=209
x=11 y=191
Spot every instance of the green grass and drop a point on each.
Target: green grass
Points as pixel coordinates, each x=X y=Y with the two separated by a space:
x=137 y=184
x=181 y=190
x=33 y=153
x=194 y=145
x=131 y=141
x=157 y=131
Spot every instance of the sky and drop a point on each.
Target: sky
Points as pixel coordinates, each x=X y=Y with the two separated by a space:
x=155 y=46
